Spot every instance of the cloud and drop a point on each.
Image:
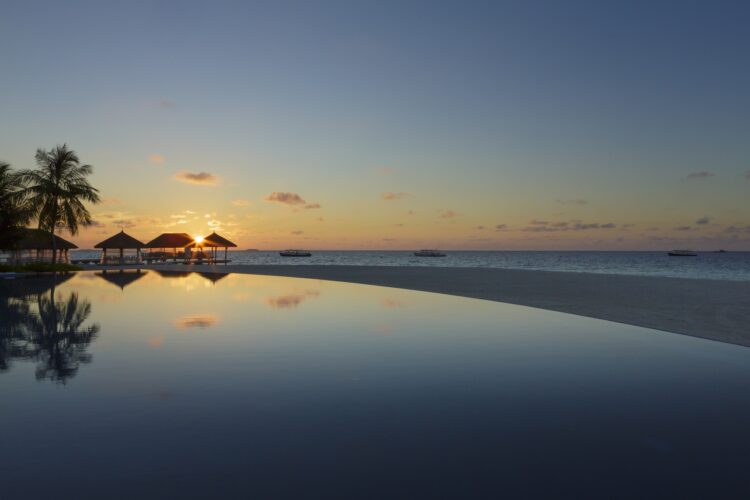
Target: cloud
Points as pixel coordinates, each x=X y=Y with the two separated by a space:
x=200 y=178
x=96 y=223
x=448 y=214
x=110 y=201
x=684 y=228
x=572 y=202
x=286 y=198
x=311 y=206
x=156 y=159
x=393 y=196
x=703 y=221
x=703 y=174
x=747 y=175
x=165 y=104
x=124 y=223
x=480 y=228
x=241 y=203
x=298 y=232
x=501 y=227
x=545 y=227
x=738 y=229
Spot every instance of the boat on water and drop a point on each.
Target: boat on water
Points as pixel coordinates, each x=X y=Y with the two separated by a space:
x=682 y=253
x=295 y=253
x=429 y=253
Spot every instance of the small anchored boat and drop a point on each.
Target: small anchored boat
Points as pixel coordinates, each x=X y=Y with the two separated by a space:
x=429 y=253
x=295 y=253
x=682 y=253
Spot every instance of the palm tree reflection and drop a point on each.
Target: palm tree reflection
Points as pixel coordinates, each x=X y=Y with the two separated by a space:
x=48 y=328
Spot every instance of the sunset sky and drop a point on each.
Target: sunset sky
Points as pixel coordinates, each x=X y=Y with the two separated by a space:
x=393 y=125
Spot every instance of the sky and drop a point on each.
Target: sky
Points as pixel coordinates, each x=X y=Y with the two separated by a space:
x=393 y=125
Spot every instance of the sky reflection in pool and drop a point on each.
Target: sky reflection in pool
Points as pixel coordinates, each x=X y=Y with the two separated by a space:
x=190 y=385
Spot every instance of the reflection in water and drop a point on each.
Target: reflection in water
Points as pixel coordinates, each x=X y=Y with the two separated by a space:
x=291 y=300
x=121 y=278
x=391 y=303
x=201 y=321
x=38 y=324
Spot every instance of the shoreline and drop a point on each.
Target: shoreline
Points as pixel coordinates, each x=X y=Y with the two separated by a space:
x=705 y=308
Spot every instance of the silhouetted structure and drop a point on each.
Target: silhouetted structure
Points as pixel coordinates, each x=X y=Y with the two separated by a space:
x=121 y=241
x=221 y=242
x=35 y=245
x=166 y=241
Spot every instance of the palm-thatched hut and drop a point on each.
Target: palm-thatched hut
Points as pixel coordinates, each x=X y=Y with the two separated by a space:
x=220 y=242
x=37 y=245
x=167 y=241
x=121 y=241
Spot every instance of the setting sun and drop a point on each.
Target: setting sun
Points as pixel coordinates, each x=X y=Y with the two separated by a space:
x=199 y=239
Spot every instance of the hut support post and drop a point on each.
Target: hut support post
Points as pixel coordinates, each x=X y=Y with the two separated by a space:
x=122 y=256
x=104 y=256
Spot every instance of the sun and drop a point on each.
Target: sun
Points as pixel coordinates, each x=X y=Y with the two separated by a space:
x=199 y=239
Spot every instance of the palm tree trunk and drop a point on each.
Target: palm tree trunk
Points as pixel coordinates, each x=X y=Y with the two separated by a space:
x=54 y=246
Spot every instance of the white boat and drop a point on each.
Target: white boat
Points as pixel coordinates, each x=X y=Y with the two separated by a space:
x=682 y=253
x=429 y=253
x=295 y=253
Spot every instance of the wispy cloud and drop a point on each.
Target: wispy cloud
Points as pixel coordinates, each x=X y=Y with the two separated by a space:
x=311 y=206
x=448 y=214
x=572 y=202
x=546 y=227
x=393 y=196
x=199 y=178
x=684 y=228
x=747 y=175
x=241 y=203
x=385 y=170
x=703 y=221
x=111 y=201
x=124 y=223
x=480 y=228
x=286 y=198
x=156 y=159
x=298 y=232
x=166 y=104
x=536 y=222
x=703 y=174
x=501 y=227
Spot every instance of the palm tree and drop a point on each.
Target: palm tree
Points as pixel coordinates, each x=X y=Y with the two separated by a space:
x=57 y=190
x=15 y=212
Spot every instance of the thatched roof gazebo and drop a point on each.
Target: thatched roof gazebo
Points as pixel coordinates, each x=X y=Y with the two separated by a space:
x=37 y=243
x=121 y=241
x=170 y=240
x=221 y=242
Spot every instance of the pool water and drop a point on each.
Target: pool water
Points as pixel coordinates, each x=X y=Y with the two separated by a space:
x=186 y=385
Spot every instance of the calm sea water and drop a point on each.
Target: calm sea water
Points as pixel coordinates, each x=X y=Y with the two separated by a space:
x=137 y=385
x=720 y=266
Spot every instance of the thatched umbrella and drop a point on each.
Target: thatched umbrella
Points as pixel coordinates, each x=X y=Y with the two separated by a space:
x=171 y=240
x=220 y=241
x=121 y=241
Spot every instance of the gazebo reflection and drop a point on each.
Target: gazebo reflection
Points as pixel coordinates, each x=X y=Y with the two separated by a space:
x=121 y=278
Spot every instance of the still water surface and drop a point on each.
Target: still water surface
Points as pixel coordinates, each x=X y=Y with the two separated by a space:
x=207 y=386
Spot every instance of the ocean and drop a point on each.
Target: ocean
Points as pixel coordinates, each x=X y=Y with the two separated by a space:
x=720 y=266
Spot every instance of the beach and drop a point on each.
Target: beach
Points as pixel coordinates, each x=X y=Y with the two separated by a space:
x=710 y=309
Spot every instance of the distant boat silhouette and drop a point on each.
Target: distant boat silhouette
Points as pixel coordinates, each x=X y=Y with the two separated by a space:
x=682 y=253
x=429 y=253
x=295 y=253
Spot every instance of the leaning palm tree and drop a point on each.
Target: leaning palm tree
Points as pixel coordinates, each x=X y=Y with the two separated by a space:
x=15 y=211
x=57 y=189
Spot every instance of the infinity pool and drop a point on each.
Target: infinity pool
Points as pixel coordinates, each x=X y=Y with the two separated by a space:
x=149 y=385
